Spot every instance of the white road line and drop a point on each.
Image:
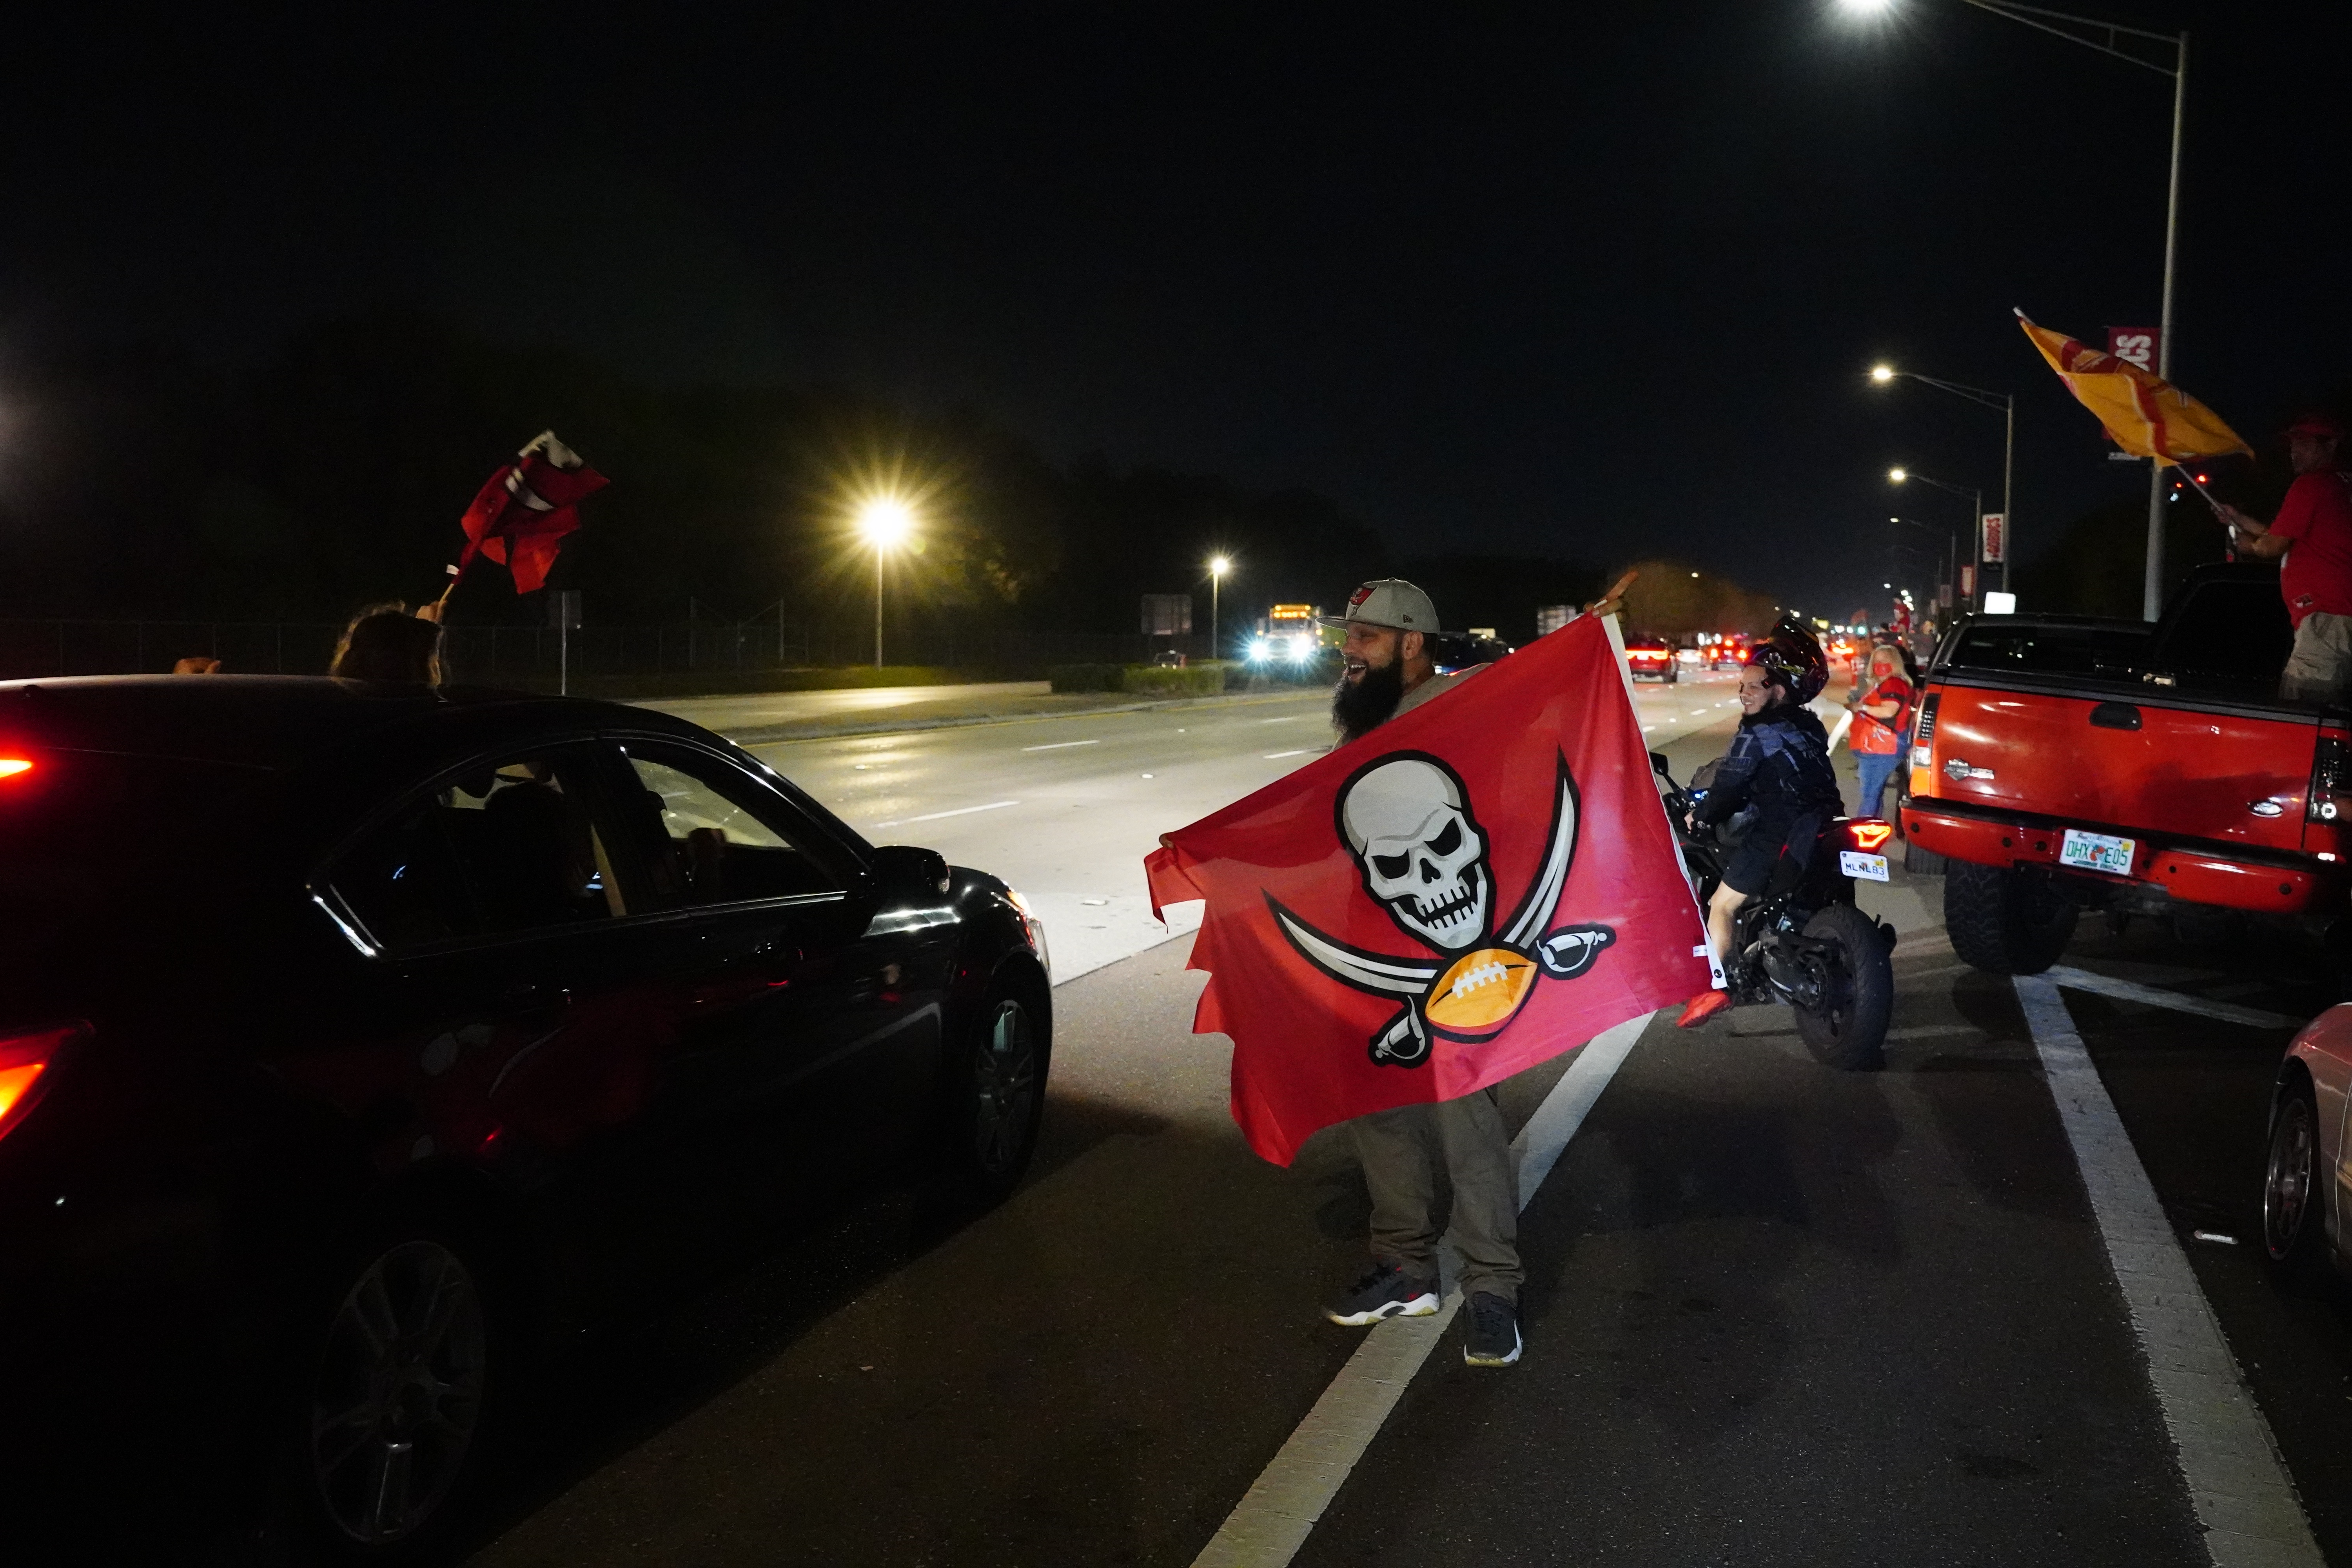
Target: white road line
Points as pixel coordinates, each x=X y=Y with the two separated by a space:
x=1286 y=718
x=1062 y=745
x=1270 y=756
x=935 y=815
x=2240 y=1490
x=1274 y=1519
x=2179 y=1001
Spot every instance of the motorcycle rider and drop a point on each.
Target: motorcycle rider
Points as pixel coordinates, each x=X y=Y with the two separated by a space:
x=1779 y=763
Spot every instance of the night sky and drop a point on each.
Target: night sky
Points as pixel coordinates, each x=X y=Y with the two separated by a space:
x=1583 y=281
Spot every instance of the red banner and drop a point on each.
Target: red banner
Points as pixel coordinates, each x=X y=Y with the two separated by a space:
x=1475 y=887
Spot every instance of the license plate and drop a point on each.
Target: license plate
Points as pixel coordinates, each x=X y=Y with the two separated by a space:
x=1869 y=868
x=2097 y=852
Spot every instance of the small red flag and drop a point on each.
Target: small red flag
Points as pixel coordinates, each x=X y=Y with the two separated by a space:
x=1473 y=887
x=521 y=515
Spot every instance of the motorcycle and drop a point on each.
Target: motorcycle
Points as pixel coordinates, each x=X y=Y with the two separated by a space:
x=1801 y=940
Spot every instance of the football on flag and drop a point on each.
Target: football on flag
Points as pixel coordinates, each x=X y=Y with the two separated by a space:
x=1482 y=991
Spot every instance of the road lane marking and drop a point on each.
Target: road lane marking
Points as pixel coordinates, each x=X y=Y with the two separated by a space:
x=2239 y=1489
x=2179 y=1001
x=1270 y=756
x=1274 y=1519
x=1062 y=745
x=935 y=815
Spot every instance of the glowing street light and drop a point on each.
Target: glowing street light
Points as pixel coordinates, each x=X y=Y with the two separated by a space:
x=886 y=522
x=1898 y=475
x=1218 y=566
x=1880 y=374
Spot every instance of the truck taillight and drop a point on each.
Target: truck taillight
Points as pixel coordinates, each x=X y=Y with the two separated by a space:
x=26 y=1059
x=2331 y=782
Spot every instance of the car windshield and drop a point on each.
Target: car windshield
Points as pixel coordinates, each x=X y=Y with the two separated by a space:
x=87 y=832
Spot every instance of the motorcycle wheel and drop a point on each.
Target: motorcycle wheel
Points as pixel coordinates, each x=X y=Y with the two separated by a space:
x=1849 y=1029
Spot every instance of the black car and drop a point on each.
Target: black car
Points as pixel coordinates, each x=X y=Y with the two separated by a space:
x=359 y=1045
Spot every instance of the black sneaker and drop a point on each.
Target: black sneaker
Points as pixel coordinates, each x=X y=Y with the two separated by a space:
x=1493 y=1336
x=1384 y=1291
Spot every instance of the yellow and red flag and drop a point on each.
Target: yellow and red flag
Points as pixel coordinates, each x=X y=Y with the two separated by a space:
x=2147 y=416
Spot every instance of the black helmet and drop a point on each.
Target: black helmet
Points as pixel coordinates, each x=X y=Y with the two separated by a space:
x=1790 y=656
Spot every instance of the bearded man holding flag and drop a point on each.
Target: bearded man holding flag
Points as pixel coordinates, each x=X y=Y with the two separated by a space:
x=1456 y=830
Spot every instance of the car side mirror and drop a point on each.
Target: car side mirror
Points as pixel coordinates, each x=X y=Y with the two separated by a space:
x=1658 y=766
x=906 y=871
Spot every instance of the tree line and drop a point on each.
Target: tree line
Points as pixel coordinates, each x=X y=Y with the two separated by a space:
x=142 y=482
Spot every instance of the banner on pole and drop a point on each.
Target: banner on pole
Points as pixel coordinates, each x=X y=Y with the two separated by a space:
x=1994 y=532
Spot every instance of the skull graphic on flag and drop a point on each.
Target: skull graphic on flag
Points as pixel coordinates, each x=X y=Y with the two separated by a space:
x=1406 y=819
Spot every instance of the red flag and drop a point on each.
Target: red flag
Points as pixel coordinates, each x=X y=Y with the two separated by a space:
x=521 y=515
x=1475 y=887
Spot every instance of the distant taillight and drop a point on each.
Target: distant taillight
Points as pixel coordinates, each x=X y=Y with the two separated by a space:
x=10 y=767
x=26 y=1060
x=1867 y=833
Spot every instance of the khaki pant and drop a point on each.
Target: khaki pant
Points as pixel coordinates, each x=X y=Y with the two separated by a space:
x=2320 y=668
x=1396 y=1147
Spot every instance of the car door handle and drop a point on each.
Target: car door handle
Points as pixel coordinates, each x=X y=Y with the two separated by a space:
x=2116 y=716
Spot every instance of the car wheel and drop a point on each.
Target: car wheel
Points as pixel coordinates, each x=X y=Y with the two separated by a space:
x=998 y=1096
x=2294 y=1234
x=392 y=1404
x=2005 y=921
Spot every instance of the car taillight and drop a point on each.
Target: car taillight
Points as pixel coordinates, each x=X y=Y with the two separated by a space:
x=1923 y=729
x=1867 y=833
x=2331 y=782
x=26 y=1060
x=11 y=767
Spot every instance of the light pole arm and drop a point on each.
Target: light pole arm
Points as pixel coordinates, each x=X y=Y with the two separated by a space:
x=2055 y=23
x=1960 y=389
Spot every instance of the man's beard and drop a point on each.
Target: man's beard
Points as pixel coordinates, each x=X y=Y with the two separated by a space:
x=1362 y=706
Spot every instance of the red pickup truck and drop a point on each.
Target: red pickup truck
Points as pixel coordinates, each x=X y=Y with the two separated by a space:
x=2067 y=763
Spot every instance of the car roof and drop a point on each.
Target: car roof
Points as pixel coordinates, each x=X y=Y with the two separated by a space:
x=273 y=721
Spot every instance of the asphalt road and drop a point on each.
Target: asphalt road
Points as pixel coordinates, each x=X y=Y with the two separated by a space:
x=1776 y=1314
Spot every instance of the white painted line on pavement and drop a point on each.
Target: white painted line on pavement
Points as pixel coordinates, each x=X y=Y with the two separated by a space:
x=1270 y=756
x=2239 y=1489
x=1065 y=746
x=2152 y=996
x=1274 y=1519
x=960 y=811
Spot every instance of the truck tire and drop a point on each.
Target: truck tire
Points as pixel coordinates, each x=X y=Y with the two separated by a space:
x=1850 y=1032
x=1922 y=862
x=2005 y=921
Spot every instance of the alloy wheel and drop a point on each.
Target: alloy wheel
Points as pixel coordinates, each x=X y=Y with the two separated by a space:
x=397 y=1401
x=1005 y=1087
x=2286 y=1186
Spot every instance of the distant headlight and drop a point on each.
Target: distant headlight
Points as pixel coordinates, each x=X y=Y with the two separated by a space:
x=1302 y=647
x=1258 y=648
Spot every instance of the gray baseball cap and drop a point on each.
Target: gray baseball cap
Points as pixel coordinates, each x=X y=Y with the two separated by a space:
x=1389 y=602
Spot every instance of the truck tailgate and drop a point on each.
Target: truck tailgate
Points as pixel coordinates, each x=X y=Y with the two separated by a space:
x=2186 y=772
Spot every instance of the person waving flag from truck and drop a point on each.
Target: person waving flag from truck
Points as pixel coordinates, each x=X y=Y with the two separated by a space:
x=2313 y=532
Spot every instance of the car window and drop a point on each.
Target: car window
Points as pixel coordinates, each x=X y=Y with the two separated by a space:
x=511 y=846
x=723 y=839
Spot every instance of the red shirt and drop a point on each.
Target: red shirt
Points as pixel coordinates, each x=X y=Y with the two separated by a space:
x=1875 y=737
x=2317 y=519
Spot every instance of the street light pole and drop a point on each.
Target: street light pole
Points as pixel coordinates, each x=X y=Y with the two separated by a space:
x=1976 y=499
x=2056 y=23
x=2007 y=403
x=885 y=520
x=878 y=606
x=1218 y=567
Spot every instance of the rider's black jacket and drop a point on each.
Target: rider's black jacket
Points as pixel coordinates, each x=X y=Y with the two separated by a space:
x=1779 y=763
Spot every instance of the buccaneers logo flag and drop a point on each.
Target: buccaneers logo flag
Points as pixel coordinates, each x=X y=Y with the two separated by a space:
x=523 y=512
x=1476 y=886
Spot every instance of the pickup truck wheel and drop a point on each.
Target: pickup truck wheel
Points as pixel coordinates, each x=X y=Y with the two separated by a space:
x=2005 y=921
x=1848 y=1030
x=2294 y=1239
